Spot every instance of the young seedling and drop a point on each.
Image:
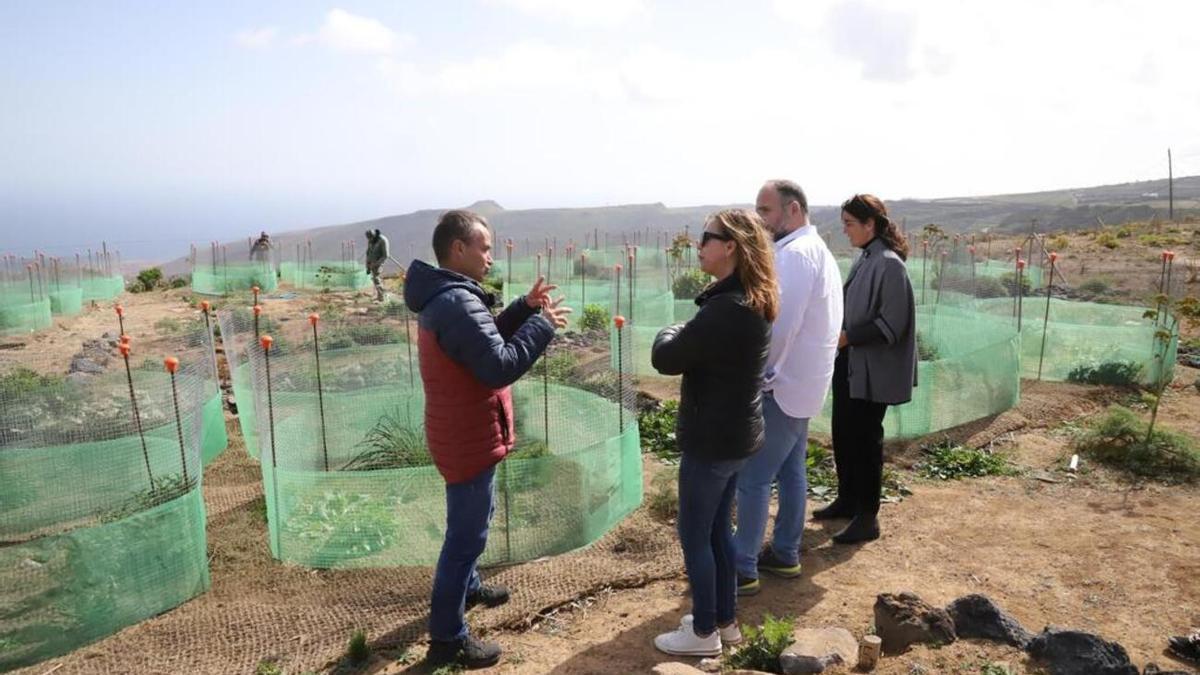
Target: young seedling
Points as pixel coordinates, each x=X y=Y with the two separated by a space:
x=172 y=365
x=125 y=348
x=619 y=322
x=1046 y=318
x=312 y=320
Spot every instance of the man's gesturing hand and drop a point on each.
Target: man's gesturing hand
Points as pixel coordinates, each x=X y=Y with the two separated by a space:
x=539 y=295
x=556 y=315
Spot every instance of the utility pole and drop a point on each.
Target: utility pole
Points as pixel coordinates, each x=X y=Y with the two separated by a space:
x=1170 y=188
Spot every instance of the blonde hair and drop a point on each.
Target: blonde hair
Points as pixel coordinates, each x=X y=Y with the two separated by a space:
x=755 y=259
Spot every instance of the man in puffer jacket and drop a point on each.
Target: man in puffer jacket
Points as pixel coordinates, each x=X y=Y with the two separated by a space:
x=469 y=359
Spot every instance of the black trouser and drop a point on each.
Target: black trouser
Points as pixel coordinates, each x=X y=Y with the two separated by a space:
x=857 y=443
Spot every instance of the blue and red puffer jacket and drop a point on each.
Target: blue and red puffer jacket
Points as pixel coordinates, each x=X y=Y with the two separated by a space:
x=469 y=359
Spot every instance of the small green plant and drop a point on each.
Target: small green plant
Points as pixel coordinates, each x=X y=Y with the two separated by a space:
x=994 y=669
x=926 y=350
x=657 y=429
x=392 y=443
x=561 y=366
x=1124 y=232
x=689 y=283
x=1058 y=243
x=664 y=494
x=595 y=318
x=1107 y=240
x=267 y=667
x=822 y=472
x=163 y=489
x=762 y=645
x=358 y=651
x=168 y=326
x=449 y=669
x=1120 y=439
x=493 y=284
x=947 y=461
x=1096 y=286
x=1010 y=285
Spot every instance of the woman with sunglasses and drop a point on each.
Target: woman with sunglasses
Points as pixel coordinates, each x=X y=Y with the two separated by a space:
x=876 y=364
x=720 y=353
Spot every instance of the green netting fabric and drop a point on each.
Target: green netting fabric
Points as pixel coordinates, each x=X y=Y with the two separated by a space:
x=969 y=369
x=213 y=437
x=1083 y=335
x=66 y=301
x=66 y=590
x=17 y=316
x=101 y=515
x=223 y=279
x=575 y=473
x=101 y=288
x=325 y=275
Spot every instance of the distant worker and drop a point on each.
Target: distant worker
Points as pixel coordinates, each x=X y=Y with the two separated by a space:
x=261 y=250
x=377 y=254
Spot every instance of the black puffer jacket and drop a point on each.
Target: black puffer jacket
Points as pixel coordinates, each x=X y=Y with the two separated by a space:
x=721 y=354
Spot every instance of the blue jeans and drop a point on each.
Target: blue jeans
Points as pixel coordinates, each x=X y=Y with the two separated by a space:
x=783 y=457
x=706 y=490
x=469 y=508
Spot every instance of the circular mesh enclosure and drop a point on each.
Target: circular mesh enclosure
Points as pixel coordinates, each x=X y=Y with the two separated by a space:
x=352 y=483
x=102 y=524
x=325 y=275
x=223 y=279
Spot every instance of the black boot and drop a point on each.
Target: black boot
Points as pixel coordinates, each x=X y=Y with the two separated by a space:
x=488 y=595
x=470 y=653
x=864 y=527
x=842 y=507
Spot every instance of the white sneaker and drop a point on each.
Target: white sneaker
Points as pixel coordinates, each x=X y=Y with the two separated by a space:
x=730 y=635
x=683 y=641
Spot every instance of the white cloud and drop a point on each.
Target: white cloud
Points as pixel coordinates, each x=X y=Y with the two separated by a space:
x=348 y=32
x=593 y=13
x=257 y=38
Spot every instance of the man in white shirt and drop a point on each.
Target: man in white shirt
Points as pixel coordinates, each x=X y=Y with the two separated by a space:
x=795 y=382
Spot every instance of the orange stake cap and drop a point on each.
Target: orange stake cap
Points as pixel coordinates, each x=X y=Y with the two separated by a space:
x=313 y=318
x=257 y=310
x=1020 y=264
x=172 y=364
x=617 y=267
x=204 y=305
x=1053 y=256
x=120 y=310
x=619 y=321
x=124 y=339
x=124 y=349
x=266 y=341
x=254 y=288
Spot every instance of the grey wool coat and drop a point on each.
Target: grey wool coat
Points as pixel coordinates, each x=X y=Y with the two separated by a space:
x=877 y=291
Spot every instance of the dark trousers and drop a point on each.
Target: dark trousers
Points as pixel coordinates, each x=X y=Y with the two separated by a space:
x=706 y=491
x=469 y=508
x=857 y=443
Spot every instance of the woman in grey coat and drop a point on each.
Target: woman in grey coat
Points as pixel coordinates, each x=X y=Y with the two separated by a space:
x=876 y=364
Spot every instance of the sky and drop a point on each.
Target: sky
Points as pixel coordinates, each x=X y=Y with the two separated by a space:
x=151 y=124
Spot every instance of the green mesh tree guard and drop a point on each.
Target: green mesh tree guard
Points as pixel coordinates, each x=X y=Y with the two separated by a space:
x=223 y=279
x=576 y=471
x=322 y=275
x=66 y=301
x=1082 y=335
x=17 y=316
x=101 y=288
x=969 y=369
x=99 y=528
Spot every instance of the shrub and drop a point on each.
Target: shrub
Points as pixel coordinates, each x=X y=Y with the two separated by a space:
x=689 y=283
x=664 y=494
x=1059 y=243
x=926 y=351
x=494 y=284
x=947 y=461
x=1118 y=438
x=1120 y=373
x=147 y=280
x=1107 y=240
x=168 y=326
x=1008 y=280
x=595 y=318
x=561 y=366
x=1095 y=286
x=178 y=282
x=657 y=429
x=762 y=645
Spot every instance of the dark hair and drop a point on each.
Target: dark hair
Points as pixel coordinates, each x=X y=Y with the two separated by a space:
x=869 y=207
x=453 y=226
x=789 y=191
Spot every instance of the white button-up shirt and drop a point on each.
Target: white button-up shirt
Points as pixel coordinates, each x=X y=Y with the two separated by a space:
x=805 y=334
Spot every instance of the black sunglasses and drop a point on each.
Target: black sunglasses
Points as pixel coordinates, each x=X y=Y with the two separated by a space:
x=707 y=236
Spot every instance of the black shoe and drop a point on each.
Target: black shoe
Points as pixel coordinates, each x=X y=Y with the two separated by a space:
x=837 y=509
x=470 y=652
x=1186 y=647
x=769 y=562
x=747 y=586
x=862 y=528
x=488 y=595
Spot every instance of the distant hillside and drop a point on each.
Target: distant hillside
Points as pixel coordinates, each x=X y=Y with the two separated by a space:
x=1067 y=209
